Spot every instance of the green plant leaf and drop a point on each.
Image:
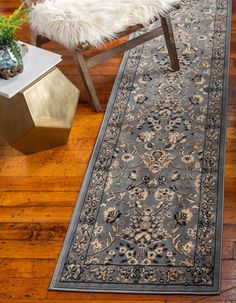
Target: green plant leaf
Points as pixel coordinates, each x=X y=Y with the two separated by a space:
x=8 y=26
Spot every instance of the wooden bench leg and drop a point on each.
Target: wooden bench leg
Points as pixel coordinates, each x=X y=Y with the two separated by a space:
x=83 y=70
x=33 y=39
x=170 y=42
x=37 y=40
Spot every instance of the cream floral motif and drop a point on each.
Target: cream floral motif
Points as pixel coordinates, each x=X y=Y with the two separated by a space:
x=127 y=157
x=146 y=136
x=149 y=213
x=164 y=193
x=138 y=193
x=157 y=160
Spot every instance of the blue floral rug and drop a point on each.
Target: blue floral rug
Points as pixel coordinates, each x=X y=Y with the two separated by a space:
x=149 y=215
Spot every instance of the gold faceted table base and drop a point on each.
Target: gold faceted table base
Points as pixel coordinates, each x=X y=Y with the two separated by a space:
x=41 y=116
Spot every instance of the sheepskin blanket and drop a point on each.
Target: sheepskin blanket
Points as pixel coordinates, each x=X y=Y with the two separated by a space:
x=71 y=22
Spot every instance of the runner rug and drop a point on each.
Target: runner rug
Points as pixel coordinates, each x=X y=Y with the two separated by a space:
x=149 y=215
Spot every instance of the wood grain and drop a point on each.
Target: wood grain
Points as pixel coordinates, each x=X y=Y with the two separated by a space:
x=38 y=192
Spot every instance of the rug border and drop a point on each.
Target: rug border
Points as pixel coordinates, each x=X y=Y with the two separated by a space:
x=88 y=174
x=55 y=285
x=220 y=213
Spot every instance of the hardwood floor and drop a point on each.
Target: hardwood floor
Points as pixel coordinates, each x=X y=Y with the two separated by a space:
x=38 y=192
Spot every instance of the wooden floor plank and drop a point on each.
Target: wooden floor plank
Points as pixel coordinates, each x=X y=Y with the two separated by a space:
x=38 y=192
x=29 y=249
x=19 y=289
x=33 y=231
x=29 y=183
x=26 y=268
x=84 y=301
x=36 y=214
x=38 y=199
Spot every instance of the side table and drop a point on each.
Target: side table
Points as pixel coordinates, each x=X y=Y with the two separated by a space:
x=40 y=115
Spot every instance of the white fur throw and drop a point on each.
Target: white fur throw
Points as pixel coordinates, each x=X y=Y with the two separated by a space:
x=71 y=22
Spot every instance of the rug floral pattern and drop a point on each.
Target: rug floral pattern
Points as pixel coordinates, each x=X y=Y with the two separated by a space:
x=149 y=214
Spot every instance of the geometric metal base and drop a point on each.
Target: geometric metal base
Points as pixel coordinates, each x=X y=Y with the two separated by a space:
x=40 y=116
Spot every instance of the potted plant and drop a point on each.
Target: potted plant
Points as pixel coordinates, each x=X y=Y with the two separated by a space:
x=11 y=51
